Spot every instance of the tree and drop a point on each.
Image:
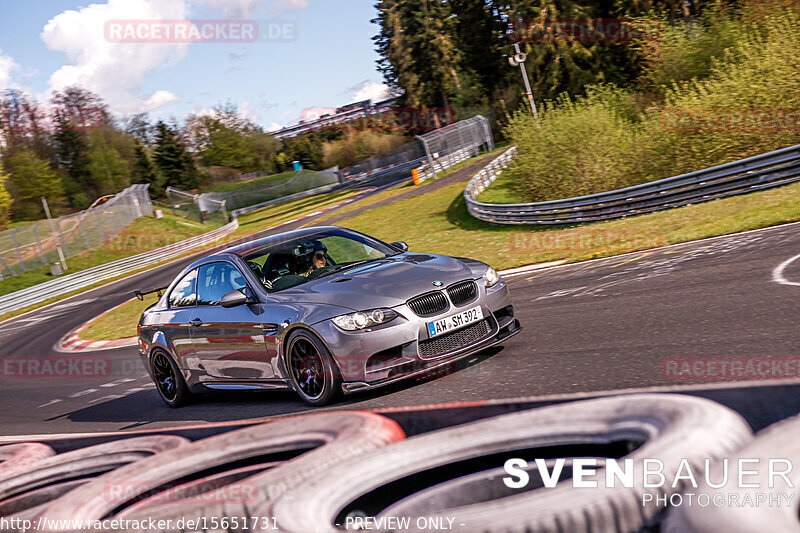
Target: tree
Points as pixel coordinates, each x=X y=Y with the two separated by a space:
x=418 y=50
x=172 y=160
x=108 y=171
x=143 y=170
x=226 y=138
x=32 y=178
x=75 y=111
x=72 y=158
x=5 y=200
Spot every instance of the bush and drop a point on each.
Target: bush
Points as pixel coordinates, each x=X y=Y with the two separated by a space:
x=582 y=147
x=604 y=141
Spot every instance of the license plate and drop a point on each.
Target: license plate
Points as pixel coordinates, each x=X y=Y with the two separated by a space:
x=458 y=320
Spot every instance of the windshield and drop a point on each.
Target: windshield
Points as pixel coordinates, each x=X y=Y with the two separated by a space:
x=298 y=261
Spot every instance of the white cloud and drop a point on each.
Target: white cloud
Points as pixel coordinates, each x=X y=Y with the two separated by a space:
x=115 y=71
x=371 y=91
x=246 y=8
x=274 y=126
x=6 y=66
x=232 y=8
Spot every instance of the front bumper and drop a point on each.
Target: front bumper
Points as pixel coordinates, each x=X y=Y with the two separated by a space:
x=403 y=348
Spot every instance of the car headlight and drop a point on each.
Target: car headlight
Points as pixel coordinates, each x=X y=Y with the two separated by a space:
x=490 y=277
x=364 y=319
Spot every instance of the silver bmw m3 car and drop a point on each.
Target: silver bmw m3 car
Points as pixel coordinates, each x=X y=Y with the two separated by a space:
x=322 y=311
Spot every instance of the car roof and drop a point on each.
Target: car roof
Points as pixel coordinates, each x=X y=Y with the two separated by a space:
x=251 y=246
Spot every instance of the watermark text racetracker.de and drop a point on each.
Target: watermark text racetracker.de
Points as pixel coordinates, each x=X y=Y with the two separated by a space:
x=721 y=483
x=587 y=30
x=729 y=368
x=589 y=239
x=63 y=366
x=200 y=31
x=731 y=120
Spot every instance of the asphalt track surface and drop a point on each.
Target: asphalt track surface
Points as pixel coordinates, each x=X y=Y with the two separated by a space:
x=606 y=324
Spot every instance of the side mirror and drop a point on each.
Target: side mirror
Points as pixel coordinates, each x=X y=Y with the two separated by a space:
x=400 y=245
x=233 y=298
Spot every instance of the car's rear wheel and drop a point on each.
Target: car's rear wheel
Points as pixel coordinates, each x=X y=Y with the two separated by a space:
x=312 y=369
x=169 y=382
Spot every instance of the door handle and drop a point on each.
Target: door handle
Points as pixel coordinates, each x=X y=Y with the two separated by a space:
x=196 y=322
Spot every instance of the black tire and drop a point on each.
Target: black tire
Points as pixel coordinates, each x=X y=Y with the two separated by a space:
x=170 y=385
x=50 y=477
x=312 y=369
x=670 y=426
x=19 y=456
x=778 y=441
x=313 y=441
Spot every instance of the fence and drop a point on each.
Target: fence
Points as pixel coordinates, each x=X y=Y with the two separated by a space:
x=35 y=245
x=214 y=206
x=191 y=206
x=66 y=284
x=437 y=150
x=739 y=177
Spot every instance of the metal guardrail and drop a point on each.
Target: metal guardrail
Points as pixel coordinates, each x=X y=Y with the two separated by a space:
x=66 y=284
x=755 y=173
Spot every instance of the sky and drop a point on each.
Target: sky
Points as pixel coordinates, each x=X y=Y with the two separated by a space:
x=272 y=58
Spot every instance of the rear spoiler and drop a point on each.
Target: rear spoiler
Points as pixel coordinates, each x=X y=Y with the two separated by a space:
x=140 y=294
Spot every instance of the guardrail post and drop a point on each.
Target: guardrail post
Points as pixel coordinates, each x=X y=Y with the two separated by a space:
x=61 y=237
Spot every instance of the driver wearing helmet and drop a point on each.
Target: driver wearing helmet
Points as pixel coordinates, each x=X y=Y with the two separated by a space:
x=317 y=258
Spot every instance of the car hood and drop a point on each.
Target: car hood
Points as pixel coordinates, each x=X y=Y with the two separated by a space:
x=383 y=283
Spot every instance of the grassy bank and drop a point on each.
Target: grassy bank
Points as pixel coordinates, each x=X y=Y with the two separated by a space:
x=118 y=323
x=438 y=222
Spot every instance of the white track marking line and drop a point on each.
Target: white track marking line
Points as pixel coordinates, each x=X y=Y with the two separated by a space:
x=777 y=274
x=109 y=397
x=51 y=402
x=82 y=393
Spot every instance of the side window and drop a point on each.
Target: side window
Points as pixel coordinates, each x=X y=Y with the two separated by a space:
x=215 y=280
x=184 y=295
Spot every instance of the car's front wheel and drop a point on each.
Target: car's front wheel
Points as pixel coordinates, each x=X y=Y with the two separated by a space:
x=313 y=372
x=169 y=381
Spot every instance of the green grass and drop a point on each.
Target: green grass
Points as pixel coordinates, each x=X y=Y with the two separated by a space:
x=400 y=189
x=141 y=235
x=501 y=191
x=273 y=215
x=438 y=222
x=226 y=186
x=119 y=323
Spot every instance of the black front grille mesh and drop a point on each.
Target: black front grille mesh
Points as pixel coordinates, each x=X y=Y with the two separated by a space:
x=450 y=342
x=462 y=292
x=428 y=304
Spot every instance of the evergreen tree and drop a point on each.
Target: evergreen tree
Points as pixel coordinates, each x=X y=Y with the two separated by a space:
x=72 y=158
x=144 y=171
x=174 y=163
x=418 y=50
